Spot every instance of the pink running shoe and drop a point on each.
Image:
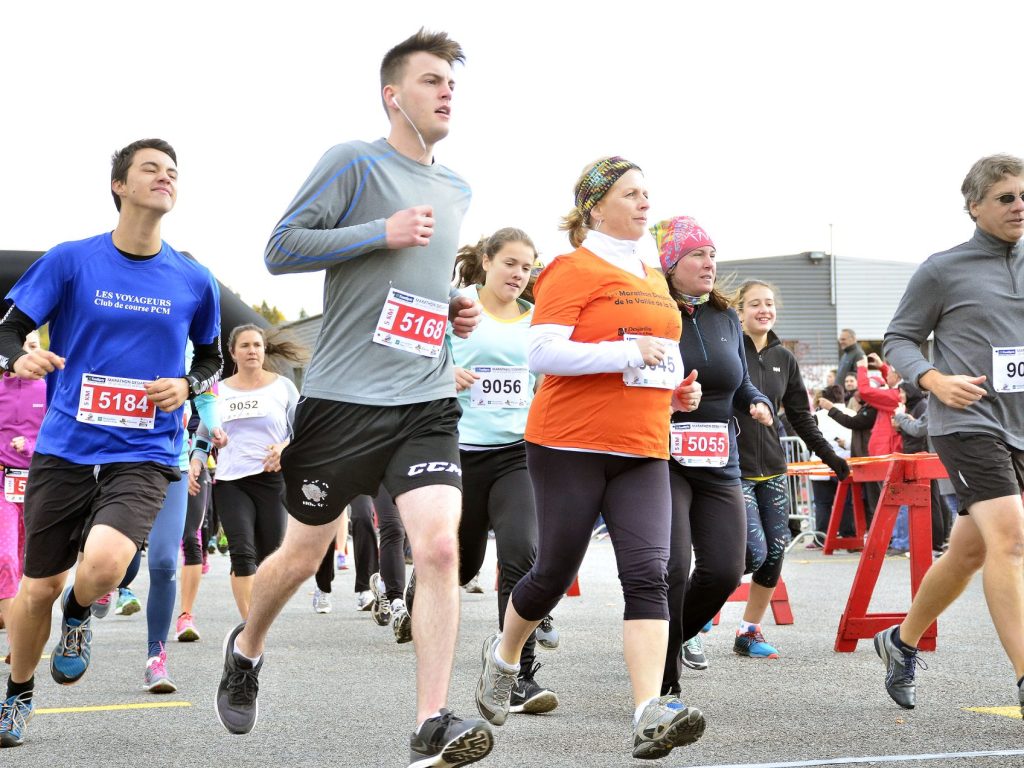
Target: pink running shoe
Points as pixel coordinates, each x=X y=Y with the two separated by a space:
x=101 y=607
x=157 y=679
x=186 y=631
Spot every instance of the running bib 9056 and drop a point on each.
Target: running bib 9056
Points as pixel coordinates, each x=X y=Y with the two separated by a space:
x=700 y=444
x=247 y=406
x=115 y=402
x=412 y=323
x=1008 y=369
x=665 y=375
x=15 y=481
x=500 y=386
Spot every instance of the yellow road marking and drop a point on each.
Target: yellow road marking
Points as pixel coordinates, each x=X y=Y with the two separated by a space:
x=1013 y=712
x=113 y=707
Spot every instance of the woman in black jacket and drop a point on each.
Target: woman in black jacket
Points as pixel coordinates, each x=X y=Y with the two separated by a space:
x=774 y=371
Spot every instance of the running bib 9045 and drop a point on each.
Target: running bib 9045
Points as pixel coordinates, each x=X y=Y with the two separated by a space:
x=1008 y=369
x=665 y=375
x=247 y=406
x=700 y=444
x=412 y=323
x=115 y=402
x=500 y=386
x=14 y=485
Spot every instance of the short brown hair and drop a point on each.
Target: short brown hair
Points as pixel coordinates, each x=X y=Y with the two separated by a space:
x=121 y=161
x=392 y=67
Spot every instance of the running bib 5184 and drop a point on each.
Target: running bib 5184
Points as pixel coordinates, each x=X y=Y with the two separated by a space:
x=700 y=444
x=665 y=375
x=1008 y=369
x=412 y=323
x=15 y=481
x=500 y=386
x=115 y=402
x=248 y=406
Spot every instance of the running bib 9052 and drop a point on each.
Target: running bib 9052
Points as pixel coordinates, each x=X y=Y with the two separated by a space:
x=500 y=386
x=665 y=375
x=15 y=481
x=412 y=323
x=700 y=444
x=115 y=402
x=1008 y=369
x=247 y=406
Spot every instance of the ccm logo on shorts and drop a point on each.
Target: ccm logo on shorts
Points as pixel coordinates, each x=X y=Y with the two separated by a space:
x=435 y=466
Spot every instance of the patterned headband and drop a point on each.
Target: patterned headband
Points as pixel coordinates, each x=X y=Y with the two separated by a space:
x=598 y=180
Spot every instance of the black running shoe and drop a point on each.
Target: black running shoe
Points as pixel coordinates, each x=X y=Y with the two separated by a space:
x=447 y=741
x=1020 y=696
x=237 y=708
x=410 y=592
x=530 y=698
x=899 y=668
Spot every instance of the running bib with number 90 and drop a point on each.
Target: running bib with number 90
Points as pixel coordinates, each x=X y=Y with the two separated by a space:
x=500 y=386
x=412 y=323
x=700 y=444
x=1008 y=369
x=15 y=481
x=665 y=375
x=115 y=402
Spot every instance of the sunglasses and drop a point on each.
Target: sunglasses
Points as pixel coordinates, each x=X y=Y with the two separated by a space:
x=1009 y=199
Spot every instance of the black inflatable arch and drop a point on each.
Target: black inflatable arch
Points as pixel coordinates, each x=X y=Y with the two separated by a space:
x=233 y=311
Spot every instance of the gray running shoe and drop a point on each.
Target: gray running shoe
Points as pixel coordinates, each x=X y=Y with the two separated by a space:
x=494 y=691
x=321 y=601
x=102 y=605
x=530 y=698
x=899 y=668
x=664 y=725
x=692 y=653
x=402 y=625
x=449 y=741
x=381 y=608
x=547 y=634
x=236 y=704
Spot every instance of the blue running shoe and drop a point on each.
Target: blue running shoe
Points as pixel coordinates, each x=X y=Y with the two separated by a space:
x=15 y=713
x=70 y=657
x=753 y=644
x=127 y=603
x=708 y=627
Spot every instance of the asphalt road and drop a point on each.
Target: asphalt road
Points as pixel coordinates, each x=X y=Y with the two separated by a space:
x=336 y=689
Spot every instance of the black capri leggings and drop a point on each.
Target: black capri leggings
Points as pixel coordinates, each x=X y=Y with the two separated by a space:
x=190 y=538
x=496 y=493
x=767 y=503
x=253 y=516
x=711 y=519
x=571 y=489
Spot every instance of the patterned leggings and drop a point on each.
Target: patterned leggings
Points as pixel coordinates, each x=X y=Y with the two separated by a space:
x=767 y=504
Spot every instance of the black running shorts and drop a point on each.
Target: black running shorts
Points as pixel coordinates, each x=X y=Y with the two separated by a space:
x=63 y=501
x=980 y=466
x=342 y=450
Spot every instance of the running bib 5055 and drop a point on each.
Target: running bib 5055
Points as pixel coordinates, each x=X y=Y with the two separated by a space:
x=115 y=402
x=1008 y=369
x=700 y=444
x=665 y=375
x=248 y=406
x=500 y=386
x=15 y=481
x=412 y=323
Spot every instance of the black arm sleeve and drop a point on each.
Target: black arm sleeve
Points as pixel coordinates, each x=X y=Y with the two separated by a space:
x=798 y=410
x=863 y=419
x=14 y=327
x=206 y=364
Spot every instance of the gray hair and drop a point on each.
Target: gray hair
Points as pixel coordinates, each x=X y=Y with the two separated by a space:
x=984 y=174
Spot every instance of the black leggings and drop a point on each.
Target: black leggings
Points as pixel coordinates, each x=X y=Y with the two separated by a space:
x=496 y=493
x=767 y=503
x=253 y=516
x=392 y=545
x=571 y=489
x=364 y=542
x=711 y=519
x=194 y=521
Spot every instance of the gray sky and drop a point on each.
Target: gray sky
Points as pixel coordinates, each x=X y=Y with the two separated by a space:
x=765 y=121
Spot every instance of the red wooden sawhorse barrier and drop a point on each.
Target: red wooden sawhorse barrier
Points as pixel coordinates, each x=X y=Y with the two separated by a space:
x=781 y=610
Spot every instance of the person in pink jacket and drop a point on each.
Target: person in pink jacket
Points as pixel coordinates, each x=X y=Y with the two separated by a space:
x=22 y=405
x=885 y=439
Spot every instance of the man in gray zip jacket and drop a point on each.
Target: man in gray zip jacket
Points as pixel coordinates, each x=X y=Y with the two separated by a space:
x=972 y=298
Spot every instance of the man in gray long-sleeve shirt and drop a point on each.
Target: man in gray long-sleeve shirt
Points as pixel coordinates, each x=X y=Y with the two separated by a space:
x=972 y=298
x=382 y=220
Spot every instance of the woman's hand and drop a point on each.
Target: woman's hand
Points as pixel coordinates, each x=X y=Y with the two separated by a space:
x=272 y=463
x=761 y=413
x=464 y=379
x=651 y=350
x=686 y=397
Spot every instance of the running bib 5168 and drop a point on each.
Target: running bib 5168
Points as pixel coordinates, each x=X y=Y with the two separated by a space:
x=700 y=444
x=500 y=386
x=412 y=323
x=115 y=402
x=15 y=481
x=248 y=406
x=1008 y=369
x=665 y=375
